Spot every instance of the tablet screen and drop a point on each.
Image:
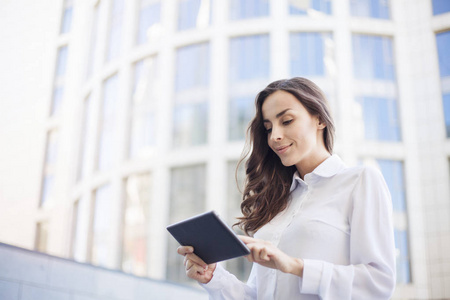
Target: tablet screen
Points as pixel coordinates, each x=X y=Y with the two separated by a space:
x=212 y=239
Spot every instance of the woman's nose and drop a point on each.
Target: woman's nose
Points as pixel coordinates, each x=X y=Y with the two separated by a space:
x=277 y=134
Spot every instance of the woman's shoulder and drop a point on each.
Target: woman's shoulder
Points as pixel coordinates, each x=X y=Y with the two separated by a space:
x=361 y=174
x=362 y=170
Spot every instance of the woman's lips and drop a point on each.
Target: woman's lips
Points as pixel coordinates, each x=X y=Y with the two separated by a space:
x=283 y=149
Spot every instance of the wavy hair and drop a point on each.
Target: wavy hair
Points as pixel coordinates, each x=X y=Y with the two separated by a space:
x=268 y=181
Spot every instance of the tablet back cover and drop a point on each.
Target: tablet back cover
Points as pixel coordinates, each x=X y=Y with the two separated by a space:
x=211 y=238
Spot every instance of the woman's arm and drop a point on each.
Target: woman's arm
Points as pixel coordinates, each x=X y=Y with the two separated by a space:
x=220 y=284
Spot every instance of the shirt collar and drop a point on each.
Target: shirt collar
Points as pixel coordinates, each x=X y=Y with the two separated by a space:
x=328 y=168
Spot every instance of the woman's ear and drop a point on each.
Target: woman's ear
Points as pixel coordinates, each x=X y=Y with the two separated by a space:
x=320 y=124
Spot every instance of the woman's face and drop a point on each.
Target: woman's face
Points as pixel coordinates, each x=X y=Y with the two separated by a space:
x=292 y=133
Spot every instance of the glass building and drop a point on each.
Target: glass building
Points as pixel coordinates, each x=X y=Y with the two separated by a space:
x=151 y=100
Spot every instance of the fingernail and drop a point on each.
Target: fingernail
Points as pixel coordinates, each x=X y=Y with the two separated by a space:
x=205 y=267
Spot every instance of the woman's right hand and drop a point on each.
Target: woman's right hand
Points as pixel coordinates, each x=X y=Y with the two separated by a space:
x=195 y=267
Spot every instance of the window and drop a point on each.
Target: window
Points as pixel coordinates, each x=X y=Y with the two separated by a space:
x=102 y=235
x=378 y=9
x=308 y=53
x=108 y=124
x=194 y=14
x=446 y=100
x=240 y=267
x=136 y=223
x=81 y=229
x=190 y=124
x=149 y=19
x=373 y=57
x=380 y=119
x=47 y=189
x=86 y=129
x=192 y=87
x=192 y=67
x=58 y=84
x=66 y=17
x=41 y=237
x=94 y=43
x=443 y=47
x=441 y=7
x=247 y=9
x=115 y=29
x=241 y=111
x=187 y=198
x=300 y=7
x=249 y=58
x=393 y=173
x=144 y=101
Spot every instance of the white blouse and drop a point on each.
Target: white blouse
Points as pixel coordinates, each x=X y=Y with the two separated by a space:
x=339 y=222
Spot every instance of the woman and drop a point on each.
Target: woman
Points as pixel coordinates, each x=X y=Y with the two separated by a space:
x=320 y=230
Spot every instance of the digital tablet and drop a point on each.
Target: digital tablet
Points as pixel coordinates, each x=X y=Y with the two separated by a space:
x=212 y=239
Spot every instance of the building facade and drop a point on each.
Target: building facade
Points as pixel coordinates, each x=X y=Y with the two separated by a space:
x=149 y=102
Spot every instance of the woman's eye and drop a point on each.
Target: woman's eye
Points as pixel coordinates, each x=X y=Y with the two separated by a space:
x=268 y=130
x=287 y=122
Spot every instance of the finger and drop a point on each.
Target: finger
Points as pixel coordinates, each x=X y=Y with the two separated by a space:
x=197 y=260
x=189 y=265
x=195 y=271
x=183 y=250
x=263 y=255
x=246 y=239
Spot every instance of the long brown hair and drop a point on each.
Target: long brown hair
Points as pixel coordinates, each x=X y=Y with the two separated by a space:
x=268 y=181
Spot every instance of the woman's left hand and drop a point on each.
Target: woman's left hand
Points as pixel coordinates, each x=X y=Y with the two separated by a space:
x=268 y=255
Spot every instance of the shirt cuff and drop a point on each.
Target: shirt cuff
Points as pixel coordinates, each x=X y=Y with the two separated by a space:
x=316 y=277
x=217 y=280
x=312 y=273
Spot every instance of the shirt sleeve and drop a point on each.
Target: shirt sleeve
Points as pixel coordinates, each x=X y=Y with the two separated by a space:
x=371 y=273
x=225 y=286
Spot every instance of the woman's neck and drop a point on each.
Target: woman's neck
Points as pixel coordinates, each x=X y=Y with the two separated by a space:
x=308 y=165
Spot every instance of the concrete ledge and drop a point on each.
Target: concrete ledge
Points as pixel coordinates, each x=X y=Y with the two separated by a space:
x=31 y=275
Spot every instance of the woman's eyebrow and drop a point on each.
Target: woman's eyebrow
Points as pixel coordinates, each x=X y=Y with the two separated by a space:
x=278 y=115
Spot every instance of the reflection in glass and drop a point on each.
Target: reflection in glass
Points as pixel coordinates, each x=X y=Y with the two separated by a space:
x=187 y=198
x=101 y=227
x=67 y=17
x=378 y=9
x=190 y=124
x=249 y=58
x=381 y=122
x=94 y=40
x=301 y=7
x=143 y=107
x=149 y=19
x=373 y=57
x=441 y=7
x=136 y=224
x=87 y=126
x=115 y=29
x=247 y=9
x=41 y=243
x=393 y=173
x=108 y=124
x=192 y=67
x=446 y=100
x=47 y=188
x=443 y=45
x=81 y=229
x=307 y=51
x=194 y=14
x=241 y=112
x=58 y=83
